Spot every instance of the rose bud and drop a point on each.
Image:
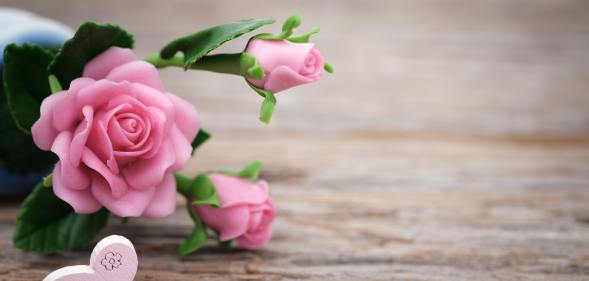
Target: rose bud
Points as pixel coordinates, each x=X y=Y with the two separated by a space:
x=245 y=214
x=286 y=64
x=119 y=137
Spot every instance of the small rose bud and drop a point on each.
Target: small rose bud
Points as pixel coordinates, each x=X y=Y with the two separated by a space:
x=245 y=214
x=286 y=64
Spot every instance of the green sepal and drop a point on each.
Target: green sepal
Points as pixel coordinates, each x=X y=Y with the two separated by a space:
x=201 y=188
x=250 y=172
x=303 y=38
x=268 y=105
x=197 y=238
x=25 y=82
x=224 y=243
x=199 y=44
x=200 y=138
x=54 y=84
x=199 y=191
x=46 y=224
x=90 y=40
x=328 y=67
x=204 y=191
x=250 y=67
x=288 y=27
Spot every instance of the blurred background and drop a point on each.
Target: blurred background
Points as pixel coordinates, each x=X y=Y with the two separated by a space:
x=453 y=134
x=489 y=67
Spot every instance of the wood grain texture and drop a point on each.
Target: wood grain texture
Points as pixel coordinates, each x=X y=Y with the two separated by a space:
x=451 y=144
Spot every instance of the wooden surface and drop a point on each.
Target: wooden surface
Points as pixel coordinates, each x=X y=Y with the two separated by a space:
x=451 y=144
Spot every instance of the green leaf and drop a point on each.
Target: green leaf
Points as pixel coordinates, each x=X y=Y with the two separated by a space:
x=200 y=138
x=25 y=82
x=90 y=40
x=197 y=238
x=251 y=171
x=199 y=44
x=46 y=224
x=18 y=152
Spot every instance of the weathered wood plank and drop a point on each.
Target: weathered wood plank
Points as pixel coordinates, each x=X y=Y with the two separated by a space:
x=411 y=208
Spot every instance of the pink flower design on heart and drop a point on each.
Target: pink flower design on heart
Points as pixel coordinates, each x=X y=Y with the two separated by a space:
x=111 y=261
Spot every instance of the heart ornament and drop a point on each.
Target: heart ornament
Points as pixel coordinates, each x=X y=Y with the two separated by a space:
x=113 y=259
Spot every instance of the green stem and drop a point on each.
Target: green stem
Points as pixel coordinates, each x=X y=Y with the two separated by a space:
x=158 y=62
x=242 y=64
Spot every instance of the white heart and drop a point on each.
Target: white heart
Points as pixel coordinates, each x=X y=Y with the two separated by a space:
x=113 y=259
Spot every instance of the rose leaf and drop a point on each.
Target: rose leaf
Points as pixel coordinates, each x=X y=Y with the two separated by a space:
x=25 y=82
x=18 y=152
x=90 y=40
x=200 y=138
x=46 y=224
x=199 y=44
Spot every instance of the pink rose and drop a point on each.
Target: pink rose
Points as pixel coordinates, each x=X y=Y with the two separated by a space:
x=245 y=214
x=285 y=64
x=119 y=137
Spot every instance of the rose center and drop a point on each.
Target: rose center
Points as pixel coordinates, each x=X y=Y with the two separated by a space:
x=132 y=126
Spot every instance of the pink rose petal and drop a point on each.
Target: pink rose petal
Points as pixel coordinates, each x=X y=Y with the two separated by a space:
x=235 y=191
x=139 y=72
x=164 y=200
x=82 y=201
x=186 y=117
x=101 y=65
x=230 y=222
x=255 y=241
x=182 y=149
x=43 y=130
x=132 y=204
x=150 y=172
x=73 y=177
x=282 y=78
x=118 y=186
x=81 y=135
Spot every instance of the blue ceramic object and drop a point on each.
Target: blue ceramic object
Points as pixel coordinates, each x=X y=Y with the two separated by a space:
x=18 y=26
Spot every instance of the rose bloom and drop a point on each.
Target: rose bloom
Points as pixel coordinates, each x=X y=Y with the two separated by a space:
x=286 y=64
x=119 y=137
x=245 y=214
